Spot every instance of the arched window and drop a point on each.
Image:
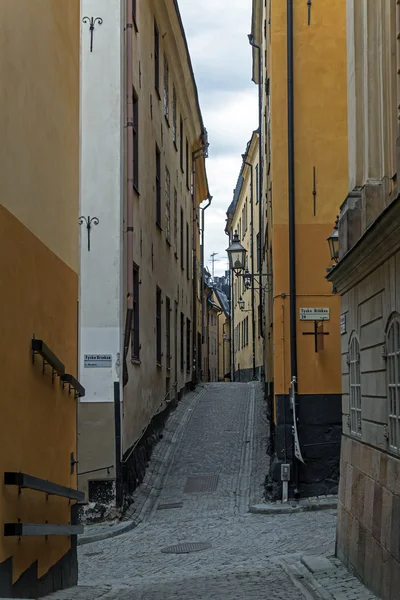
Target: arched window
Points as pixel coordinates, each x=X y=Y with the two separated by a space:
x=355 y=387
x=393 y=382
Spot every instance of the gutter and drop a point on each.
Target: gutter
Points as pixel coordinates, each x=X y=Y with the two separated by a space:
x=209 y=199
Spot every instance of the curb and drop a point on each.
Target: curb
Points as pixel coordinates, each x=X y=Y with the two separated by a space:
x=89 y=539
x=280 y=509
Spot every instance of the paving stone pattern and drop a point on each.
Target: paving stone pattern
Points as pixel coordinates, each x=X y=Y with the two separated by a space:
x=218 y=431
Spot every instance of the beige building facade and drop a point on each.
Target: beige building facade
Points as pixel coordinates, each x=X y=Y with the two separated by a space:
x=39 y=203
x=366 y=278
x=244 y=218
x=157 y=309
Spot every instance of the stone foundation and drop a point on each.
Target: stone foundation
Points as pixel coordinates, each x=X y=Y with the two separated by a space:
x=368 y=532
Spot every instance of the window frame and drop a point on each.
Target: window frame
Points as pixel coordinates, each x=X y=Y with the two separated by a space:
x=167 y=205
x=182 y=241
x=158 y=187
x=168 y=332
x=135 y=333
x=187 y=165
x=187 y=251
x=182 y=342
x=188 y=345
x=135 y=134
x=393 y=383
x=166 y=88
x=158 y=326
x=181 y=142
x=157 y=58
x=174 y=117
x=355 y=386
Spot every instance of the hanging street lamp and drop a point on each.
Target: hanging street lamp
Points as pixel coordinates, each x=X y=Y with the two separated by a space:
x=333 y=242
x=237 y=254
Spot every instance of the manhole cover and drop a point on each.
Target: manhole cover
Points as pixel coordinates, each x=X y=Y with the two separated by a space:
x=201 y=483
x=170 y=505
x=186 y=548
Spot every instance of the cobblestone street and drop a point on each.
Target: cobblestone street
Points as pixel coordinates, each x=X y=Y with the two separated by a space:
x=206 y=471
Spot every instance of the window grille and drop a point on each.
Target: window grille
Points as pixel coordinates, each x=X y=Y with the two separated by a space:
x=393 y=380
x=355 y=387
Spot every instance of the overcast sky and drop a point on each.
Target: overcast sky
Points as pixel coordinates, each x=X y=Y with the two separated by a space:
x=221 y=55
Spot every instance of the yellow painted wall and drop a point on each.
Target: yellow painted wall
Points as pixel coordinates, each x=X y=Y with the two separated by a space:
x=39 y=121
x=321 y=141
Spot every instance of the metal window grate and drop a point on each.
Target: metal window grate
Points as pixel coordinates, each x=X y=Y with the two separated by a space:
x=393 y=379
x=355 y=387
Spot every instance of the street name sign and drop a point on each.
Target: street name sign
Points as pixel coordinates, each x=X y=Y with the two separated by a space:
x=314 y=314
x=98 y=361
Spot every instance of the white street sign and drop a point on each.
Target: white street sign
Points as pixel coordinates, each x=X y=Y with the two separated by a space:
x=314 y=314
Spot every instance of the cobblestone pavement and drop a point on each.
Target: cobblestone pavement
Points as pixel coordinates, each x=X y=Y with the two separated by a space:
x=217 y=436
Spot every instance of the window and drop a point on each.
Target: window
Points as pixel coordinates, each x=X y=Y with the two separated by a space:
x=158 y=187
x=257 y=184
x=176 y=222
x=135 y=135
x=167 y=206
x=135 y=316
x=168 y=332
x=355 y=387
x=158 y=327
x=181 y=143
x=187 y=252
x=156 y=58
x=259 y=320
x=166 y=88
x=188 y=353
x=182 y=236
x=187 y=165
x=393 y=379
x=174 y=116
x=134 y=14
x=182 y=341
x=258 y=252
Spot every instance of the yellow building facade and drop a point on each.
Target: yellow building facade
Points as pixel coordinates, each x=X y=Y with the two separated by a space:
x=244 y=218
x=299 y=63
x=39 y=173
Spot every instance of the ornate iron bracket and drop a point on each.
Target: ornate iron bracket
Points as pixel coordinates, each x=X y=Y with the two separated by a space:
x=309 y=4
x=92 y=22
x=89 y=222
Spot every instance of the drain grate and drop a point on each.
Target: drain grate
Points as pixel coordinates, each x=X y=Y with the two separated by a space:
x=186 y=548
x=201 y=483
x=168 y=505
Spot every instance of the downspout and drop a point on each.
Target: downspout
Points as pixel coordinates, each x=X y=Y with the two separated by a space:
x=202 y=271
x=129 y=182
x=260 y=171
x=292 y=216
x=253 y=323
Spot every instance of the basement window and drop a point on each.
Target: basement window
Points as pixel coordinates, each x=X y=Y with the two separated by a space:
x=355 y=387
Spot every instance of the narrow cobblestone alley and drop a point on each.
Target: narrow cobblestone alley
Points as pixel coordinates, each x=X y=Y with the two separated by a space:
x=204 y=473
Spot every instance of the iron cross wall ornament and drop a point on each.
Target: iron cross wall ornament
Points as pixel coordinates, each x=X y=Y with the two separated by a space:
x=92 y=21
x=309 y=4
x=89 y=222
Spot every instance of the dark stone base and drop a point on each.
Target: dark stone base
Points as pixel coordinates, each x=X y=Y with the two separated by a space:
x=61 y=576
x=136 y=459
x=319 y=430
x=246 y=375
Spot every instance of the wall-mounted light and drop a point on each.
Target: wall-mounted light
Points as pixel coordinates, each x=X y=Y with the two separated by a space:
x=333 y=242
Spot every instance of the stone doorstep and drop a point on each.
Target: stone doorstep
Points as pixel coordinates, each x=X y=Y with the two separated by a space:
x=291 y=507
x=318 y=564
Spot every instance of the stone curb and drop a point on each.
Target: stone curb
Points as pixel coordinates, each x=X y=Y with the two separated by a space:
x=89 y=539
x=281 y=509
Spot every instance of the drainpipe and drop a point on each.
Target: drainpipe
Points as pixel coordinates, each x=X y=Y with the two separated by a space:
x=292 y=217
x=253 y=322
x=209 y=199
x=260 y=169
x=129 y=177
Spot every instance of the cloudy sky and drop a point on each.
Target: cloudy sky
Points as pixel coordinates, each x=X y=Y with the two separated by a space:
x=221 y=55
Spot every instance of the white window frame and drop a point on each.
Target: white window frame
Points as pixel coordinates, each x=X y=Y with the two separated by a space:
x=393 y=383
x=355 y=387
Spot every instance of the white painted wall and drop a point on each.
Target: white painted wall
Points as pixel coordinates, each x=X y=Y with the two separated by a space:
x=101 y=195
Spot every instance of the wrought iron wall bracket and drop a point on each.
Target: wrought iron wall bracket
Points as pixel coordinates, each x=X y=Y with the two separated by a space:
x=48 y=357
x=92 y=21
x=309 y=4
x=89 y=222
